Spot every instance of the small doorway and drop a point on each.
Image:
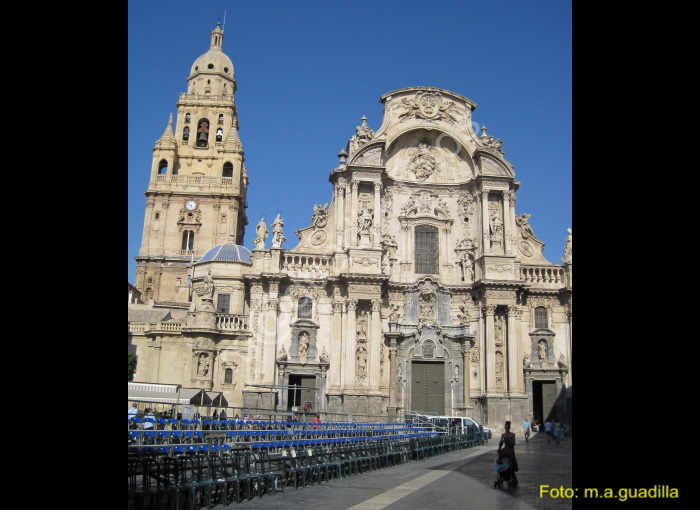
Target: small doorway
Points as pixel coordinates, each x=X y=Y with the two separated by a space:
x=544 y=400
x=304 y=394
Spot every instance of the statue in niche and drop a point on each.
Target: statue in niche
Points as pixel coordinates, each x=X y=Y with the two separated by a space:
x=261 y=232
x=362 y=324
x=467 y=263
x=463 y=315
x=498 y=330
x=303 y=346
x=526 y=360
x=361 y=362
x=456 y=373
x=542 y=353
x=499 y=366
x=496 y=227
x=203 y=366
x=277 y=236
x=364 y=221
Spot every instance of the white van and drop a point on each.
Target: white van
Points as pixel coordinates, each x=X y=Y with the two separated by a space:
x=462 y=424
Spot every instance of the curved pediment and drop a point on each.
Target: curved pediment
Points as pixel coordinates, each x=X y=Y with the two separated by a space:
x=490 y=164
x=369 y=155
x=428 y=156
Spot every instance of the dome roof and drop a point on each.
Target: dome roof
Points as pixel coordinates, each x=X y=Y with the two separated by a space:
x=214 y=61
x=227 y=253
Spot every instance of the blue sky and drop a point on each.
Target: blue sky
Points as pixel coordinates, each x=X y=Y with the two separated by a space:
x=307 y=71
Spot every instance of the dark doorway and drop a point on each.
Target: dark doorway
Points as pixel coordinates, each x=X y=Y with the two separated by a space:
x=303 y=394
x=544 y=399
x=428 y=387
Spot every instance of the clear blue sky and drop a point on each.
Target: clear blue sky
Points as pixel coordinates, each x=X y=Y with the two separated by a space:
x=307 y=71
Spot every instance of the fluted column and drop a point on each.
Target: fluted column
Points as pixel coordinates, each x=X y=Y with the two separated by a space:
x=377 y=221
x=340 y=216
x=515 y=364
x=336 y=345
x=486 y=238
x=507 y=225
x=352 y=231
x=350 y=340
x=490 y=347
x=375 y=345
x=392 y=377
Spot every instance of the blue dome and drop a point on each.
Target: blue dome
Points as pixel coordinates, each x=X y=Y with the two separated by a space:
x=227 y=253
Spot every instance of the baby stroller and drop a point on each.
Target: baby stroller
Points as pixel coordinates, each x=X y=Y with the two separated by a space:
x=505 y=467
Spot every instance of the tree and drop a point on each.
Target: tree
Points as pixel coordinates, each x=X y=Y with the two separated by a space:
x=132 y=365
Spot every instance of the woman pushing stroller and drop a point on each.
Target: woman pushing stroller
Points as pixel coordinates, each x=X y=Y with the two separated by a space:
x=506 y=464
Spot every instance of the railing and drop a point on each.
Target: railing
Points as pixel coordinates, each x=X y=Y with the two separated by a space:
x=229 y=321
x=310 y=266
x=550 y=275
x=201 y=180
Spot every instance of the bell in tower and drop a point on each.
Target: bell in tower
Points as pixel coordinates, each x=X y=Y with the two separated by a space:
x=203 y=136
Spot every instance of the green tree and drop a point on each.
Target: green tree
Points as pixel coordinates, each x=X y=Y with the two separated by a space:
x=132 y=365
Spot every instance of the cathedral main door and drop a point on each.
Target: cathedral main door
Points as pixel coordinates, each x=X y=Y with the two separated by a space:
x=428 y=387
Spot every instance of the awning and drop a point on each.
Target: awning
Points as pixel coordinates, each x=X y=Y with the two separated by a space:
x=167 y=394
x=217 y=399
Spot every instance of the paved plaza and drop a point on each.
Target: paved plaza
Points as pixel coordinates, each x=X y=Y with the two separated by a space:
x=462 y=479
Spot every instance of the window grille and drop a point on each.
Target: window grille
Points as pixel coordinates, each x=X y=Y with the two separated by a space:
x=223 y=303
x=426 y=250
x=540 y=317
x=305 y=308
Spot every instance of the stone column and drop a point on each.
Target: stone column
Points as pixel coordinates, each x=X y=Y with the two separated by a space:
x=392 y=376
x=375 y=339
x=269 y=341
x=507 y=225
x=515 y=358
x=511 y=201
x=490 y=348
x=466 y=374
x=352 y=239
x=350 y=340
x=336 y=343
x=340 y=213
x=486 y=238
x=377 y=222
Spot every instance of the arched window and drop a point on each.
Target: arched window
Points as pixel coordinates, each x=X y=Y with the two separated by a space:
x=221 y=116
x=187 y=118
x=203 y=133
x=426 y=252
x=305 y=307
x=219 y=134
x=186 y=133
x=188 y=240
x=228 y=376
x=540 y=317
x=228 y=170
x=162 y=167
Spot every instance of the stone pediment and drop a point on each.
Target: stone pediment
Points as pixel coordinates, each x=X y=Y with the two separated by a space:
x=490 y=164
x=370 y=155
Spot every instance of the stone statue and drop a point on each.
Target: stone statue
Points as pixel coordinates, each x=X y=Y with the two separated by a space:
x=496 y=227
x=277 y=236
x=303 y=346
x=498 y=330
x=208 y=287
x=203 y=367
x=567 y=248
x=364 y=222
x=282 y=355
x=261 y=232
x=542 y=352
x=362 y=320
x=323 y=358
x=525 y=227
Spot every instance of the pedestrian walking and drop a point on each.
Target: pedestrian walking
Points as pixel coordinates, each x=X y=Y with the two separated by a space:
x=526 y=428
x=548 y=429
x=558 y=432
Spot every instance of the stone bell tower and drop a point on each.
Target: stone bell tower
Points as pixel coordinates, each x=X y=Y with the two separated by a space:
x=197 y=189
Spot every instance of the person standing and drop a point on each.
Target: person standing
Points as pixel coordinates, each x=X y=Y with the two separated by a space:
x=548 y=429
x=557 y=430
x=526 y=428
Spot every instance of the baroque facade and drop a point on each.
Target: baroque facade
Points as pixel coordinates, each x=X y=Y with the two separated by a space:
x=415 y=288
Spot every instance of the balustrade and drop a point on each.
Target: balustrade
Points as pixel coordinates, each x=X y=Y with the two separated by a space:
x=542 y=274
x=307 y=265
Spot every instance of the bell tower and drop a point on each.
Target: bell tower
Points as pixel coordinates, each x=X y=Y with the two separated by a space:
x=197 y=189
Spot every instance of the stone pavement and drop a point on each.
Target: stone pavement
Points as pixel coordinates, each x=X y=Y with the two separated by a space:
x=462 y=479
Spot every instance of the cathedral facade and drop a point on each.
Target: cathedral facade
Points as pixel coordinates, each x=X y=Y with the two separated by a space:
x=415 y=288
